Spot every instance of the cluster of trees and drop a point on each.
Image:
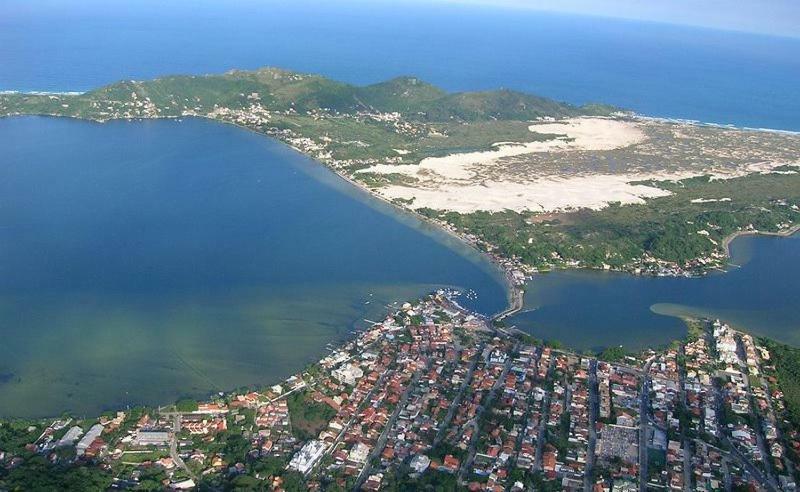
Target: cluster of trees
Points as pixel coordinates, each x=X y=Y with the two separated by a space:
x=36 y=473
x=308 y=416
x=787 y=365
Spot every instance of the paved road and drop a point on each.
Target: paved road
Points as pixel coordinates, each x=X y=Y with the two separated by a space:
x=593 y=411
x=537 y=461
x=376 y=450
x=360 y=407
x=644 y=420
x=442 y=432
x=512 y=464
x=465 y=466
x=685 y=443
x=726 y=475
x=517 y=296
x=734 y=451
x=771 y=415
x=173 y=446
x=749 y=465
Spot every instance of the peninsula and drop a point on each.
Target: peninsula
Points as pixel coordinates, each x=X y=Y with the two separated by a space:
x=536 y=183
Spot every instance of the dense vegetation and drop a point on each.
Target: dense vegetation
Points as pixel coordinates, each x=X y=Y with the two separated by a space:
x=787 y=366
x=308 y=416
x=404 y=119
x=355 y=125
x=282 y=90
x=666 y=228
x=37 y=474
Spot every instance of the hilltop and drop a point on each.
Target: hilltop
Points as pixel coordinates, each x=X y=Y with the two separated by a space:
x=283 y=90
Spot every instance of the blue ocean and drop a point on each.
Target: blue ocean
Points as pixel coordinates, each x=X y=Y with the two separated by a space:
x=655 y=69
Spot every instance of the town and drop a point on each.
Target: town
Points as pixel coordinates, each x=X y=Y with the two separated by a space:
x=437 y=396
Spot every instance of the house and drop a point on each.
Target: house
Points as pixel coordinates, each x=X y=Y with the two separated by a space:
x=87 y=439
x=451 y=463
x=420 y=463
x=347 y=374
x=151 y=438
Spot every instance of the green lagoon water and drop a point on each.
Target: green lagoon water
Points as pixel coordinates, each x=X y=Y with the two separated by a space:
x=145 y=261
x=591 y=310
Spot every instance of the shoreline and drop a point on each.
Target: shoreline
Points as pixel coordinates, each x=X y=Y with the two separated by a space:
x=514 y=296
x=726 y=243
x=515 y=292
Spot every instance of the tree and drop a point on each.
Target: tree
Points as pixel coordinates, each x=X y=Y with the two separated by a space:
x=186 y=405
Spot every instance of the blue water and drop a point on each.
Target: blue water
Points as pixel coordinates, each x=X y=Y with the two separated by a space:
x=589 y=309
x=660 y=70
x=142 y=261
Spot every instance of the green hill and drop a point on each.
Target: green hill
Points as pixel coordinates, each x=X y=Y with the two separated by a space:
x=281 y=90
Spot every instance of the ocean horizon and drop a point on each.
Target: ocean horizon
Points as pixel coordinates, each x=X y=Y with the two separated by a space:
x=661 y=70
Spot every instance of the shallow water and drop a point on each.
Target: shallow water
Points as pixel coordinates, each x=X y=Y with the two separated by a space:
x=142 y=261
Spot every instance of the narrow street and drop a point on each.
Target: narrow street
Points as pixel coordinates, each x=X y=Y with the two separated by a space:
x=537 y=461
x=588 y=476
x=440 y=434
x=173 y=446
x=644 y=422
x=365 y=472
x=488 y=401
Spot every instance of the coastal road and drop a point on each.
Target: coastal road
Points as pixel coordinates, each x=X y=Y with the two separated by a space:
x=516 y=298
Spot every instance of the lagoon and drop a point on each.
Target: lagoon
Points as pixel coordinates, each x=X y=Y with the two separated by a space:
x=144 y=261
x=591 y=310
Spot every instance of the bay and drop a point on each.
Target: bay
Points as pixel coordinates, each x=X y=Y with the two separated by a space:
x=143 y=261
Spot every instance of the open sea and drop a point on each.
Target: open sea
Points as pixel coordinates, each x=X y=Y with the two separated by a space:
x=659 y=70
x=145 y=261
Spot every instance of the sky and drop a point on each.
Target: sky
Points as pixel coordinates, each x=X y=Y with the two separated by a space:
x=771 y=17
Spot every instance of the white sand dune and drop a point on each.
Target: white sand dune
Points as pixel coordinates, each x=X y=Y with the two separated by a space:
x=489 y=181
x=573 y=134
x=545 y=195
